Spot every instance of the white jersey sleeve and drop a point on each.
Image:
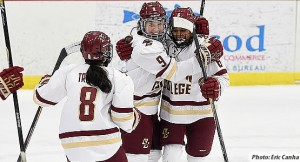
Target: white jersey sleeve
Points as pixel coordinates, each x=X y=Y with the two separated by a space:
x=122 y=104
x=217 y=70
x=151 y=56
x=55 y=90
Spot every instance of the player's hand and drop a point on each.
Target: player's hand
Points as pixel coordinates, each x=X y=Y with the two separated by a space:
x=124 y=49
x=210 y=88
x=215 y=48
x=11 y=79
x=202 y=26
x=44 y=80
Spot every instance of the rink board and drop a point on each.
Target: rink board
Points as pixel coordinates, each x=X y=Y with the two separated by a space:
x=259 y=37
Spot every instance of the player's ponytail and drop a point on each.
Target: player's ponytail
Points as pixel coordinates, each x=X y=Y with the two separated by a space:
x=97 y=76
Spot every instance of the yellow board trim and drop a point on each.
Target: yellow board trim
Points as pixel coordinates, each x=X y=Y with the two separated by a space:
x=91 y=143
x=271 y=78
x=236 y=79
x=31 y=81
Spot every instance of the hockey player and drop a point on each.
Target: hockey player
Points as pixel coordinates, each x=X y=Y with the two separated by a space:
x=11 y=79
x=185 y=109
x=148 y=65
x=100 y=99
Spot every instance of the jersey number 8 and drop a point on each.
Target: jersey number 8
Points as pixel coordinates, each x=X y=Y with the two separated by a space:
x=87 y=106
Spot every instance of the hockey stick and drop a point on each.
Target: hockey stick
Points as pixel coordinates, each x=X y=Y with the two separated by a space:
x=15 y=96
x=75 y=47
x=212 y=103
x=202 y=7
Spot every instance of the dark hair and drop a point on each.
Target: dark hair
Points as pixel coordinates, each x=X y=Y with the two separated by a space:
x=97 y=76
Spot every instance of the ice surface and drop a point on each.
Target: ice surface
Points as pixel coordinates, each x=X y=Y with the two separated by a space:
x=255 y=120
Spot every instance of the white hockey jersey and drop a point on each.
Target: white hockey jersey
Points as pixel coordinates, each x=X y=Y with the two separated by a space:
x=90 y=119
x=148 y=66
x=182 y=102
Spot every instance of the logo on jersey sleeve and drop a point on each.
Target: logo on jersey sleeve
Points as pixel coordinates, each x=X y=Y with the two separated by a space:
x=147 y=42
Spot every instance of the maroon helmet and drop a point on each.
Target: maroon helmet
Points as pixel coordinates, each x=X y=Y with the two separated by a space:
x=152 y=11
x=96 y=46
x=182 y=18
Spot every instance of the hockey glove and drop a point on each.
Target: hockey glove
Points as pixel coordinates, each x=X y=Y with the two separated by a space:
x=202 y=26
x=215 y=48
x=124 y=49
x=210 y=88
x=11 y=79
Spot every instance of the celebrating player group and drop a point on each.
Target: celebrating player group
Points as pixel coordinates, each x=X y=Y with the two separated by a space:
x=159 y=106
x=170 y=89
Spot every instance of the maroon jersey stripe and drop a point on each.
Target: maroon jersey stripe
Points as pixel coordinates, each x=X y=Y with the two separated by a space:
x=221 y=72
x=160 y=73
x=88 y=133
x=43 y=100
x=144 y=96
x=121 y=110
x=184 y=103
